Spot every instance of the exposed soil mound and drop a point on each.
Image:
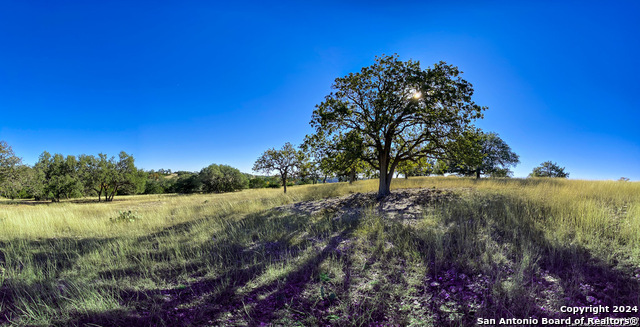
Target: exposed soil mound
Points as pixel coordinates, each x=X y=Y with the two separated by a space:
x=400 y=204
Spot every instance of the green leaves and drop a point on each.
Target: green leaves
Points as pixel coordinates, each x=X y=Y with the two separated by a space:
x=11 y=171
x=285 y=161
x=399 y=112
x=476 y=153
x=222 y=178
x=549 y=169
x=125 y=217
x=68 y=177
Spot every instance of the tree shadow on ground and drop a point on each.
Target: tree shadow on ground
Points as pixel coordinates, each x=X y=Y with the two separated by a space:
x=456 y=290
x=50 y=255
x=244 y=259
x=459 y=292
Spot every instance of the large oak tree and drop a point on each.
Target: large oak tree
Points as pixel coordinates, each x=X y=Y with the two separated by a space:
x=399 y=111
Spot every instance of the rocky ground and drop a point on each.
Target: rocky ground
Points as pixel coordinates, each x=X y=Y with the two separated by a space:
x=405 y=204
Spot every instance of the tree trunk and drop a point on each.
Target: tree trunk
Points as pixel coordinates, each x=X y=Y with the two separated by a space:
x=113 y=193
x=477 y=173
x=284 y=182
x=384 y=186
x=352 y=176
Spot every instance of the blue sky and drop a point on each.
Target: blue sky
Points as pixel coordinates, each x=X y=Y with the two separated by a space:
x=181 y=85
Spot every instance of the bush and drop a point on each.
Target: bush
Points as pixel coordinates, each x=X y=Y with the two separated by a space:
x=222 y=178
x=257 y=182
x=159 y=186
x=125 y=217
x=274 y=185
x=187 y=183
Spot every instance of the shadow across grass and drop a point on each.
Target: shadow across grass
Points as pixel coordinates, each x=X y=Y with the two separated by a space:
x=483 y=256
x=492 y=262
x=240 y=255
x=31 y=271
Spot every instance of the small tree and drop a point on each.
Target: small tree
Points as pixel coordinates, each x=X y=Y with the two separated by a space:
x=549 y=169
x=501 y=172
x=285 y=161
x=258 y=182
x=122 y=175
x=477 y=153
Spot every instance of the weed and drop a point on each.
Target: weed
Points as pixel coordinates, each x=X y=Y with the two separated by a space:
x=125 y=217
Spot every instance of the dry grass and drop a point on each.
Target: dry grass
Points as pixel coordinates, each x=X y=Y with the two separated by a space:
x=499 y=248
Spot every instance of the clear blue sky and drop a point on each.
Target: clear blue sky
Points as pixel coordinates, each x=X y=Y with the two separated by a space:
x=183 y=84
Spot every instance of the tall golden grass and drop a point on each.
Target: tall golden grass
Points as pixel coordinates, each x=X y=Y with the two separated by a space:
x=591 y=206
x=75 y=263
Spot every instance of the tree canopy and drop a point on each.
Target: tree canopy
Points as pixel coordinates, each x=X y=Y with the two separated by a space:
x=549 y=169
x=399 y=111
x=339 y=156
x=67 y=177
x=285 y=161
x=478 y=153
x=9 y=169
x=61 y=177
x=420 y=167
x=222 y=178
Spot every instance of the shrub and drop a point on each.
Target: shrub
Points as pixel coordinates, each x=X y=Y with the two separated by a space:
x=154 y=187
x=222 y=178
x=187 y=183
x=257 y=182
x=125 y=217
x=274 y=185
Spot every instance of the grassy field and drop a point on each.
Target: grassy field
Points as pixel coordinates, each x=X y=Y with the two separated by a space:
x=507 y=248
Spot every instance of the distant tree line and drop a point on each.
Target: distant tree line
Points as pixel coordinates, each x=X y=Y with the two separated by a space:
x=55 y=177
